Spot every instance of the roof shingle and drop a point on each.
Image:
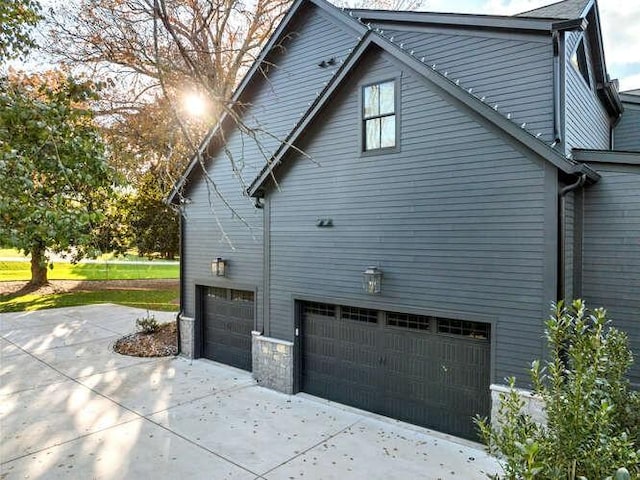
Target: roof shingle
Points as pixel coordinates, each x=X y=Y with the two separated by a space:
x=567 y=9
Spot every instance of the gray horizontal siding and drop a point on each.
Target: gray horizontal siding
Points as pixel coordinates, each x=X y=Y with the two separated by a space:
x=294 y=81
x=514 y=72
x=586 y=122
x=456 y=231
x=569 y=242
x=627 y=131
x=211 y=229
x=611 y=261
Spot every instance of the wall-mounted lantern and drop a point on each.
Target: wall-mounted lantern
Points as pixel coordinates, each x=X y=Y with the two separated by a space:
x=219 y=267
x=372 y=280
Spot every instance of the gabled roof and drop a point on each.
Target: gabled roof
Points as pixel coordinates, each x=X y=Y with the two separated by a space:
x=570 y=11
x=440 y=82
x=253 y=72
x=456 y=20
x=566 y=9
x=356 y=21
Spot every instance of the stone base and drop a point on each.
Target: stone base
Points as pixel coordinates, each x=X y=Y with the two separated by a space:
x=187 y=336
x=533 y=405
x=272 y=362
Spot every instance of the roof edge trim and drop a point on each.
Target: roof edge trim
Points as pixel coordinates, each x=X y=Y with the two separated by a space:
x=606 y=156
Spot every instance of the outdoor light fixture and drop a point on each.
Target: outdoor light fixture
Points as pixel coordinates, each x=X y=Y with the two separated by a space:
x=371 y=280
x=219 y=267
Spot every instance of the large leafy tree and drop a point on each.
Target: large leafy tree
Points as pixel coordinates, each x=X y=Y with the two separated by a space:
x=53 y=167
x=17 y=18
x=154 y=225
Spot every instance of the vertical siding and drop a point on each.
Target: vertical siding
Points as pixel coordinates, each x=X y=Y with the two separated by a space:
x=514 y=72
x=457 y=220
x=627 y=131
x=211 y=229
x=586 y=122
x=611 y=262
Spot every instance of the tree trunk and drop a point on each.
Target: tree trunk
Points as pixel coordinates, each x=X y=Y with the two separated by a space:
x=38 y=266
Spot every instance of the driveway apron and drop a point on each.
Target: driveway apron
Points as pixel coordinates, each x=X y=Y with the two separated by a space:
x=70 y=407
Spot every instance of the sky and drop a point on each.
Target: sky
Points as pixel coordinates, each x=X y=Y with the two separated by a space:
x=620 y=21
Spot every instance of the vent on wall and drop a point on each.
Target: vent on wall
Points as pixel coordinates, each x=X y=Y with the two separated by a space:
x=327 y=63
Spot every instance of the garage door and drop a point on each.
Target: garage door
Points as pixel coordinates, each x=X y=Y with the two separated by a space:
x=428 y=371
x=226 y=327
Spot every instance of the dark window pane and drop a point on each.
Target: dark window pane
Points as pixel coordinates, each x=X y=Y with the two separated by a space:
x=388 y=132
x=579 y=62
x=464 y=328
x=407 y=320
x=387 y=98
x=359 y=314
x=217 y=292
x=372 y=134
x=241 y=296
x=323 y=309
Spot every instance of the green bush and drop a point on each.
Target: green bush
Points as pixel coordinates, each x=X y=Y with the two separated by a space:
x=592 y=417
x=147 y=324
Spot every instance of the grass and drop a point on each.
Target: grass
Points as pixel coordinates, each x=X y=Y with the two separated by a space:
x=150 y=299
x=157 y=299
x=130 y=256
x=21 y=271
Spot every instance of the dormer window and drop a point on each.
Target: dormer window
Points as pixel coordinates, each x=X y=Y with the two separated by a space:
x=379 y=116
x=579 y=62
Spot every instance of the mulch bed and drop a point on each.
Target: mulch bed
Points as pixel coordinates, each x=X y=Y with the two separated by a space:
x=161 y=343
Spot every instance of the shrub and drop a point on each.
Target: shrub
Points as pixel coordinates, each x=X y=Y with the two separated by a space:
x=592 y=427
x=147 y=324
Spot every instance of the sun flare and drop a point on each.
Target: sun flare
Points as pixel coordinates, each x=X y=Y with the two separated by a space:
x=194 y=104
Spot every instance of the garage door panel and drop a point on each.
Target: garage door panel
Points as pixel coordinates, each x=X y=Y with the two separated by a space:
x=340 y=360
x=402 y=368
x=227 y=325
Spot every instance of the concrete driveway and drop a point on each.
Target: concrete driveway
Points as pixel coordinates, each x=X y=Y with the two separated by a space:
x=72 y=408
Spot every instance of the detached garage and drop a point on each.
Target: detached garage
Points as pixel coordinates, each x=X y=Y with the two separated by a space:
x=430 y=371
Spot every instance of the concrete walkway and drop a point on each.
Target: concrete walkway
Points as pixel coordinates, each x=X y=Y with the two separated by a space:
x=72 y=408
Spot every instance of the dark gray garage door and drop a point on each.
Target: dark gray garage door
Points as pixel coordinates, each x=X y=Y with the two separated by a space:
x=226 y=327
x=428 y=371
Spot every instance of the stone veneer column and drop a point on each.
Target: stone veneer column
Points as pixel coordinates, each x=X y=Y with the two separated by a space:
x=272 y=362
x=533 y=405
x=187 y=336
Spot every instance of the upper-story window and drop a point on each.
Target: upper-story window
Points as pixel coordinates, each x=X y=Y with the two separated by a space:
x=379 y=116
x=579 y=61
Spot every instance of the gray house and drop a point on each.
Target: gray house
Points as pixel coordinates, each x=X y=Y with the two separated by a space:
x=407 y=195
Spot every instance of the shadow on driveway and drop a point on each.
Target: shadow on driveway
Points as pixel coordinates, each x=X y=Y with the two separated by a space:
x=72 y=408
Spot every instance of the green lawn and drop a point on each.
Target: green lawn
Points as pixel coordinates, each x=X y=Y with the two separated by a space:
x=150 y=299
x=18 y=271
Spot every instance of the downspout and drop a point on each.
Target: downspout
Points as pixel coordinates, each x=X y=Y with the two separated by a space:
x=181 y=273
x=561 y=232
x=557 y=93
